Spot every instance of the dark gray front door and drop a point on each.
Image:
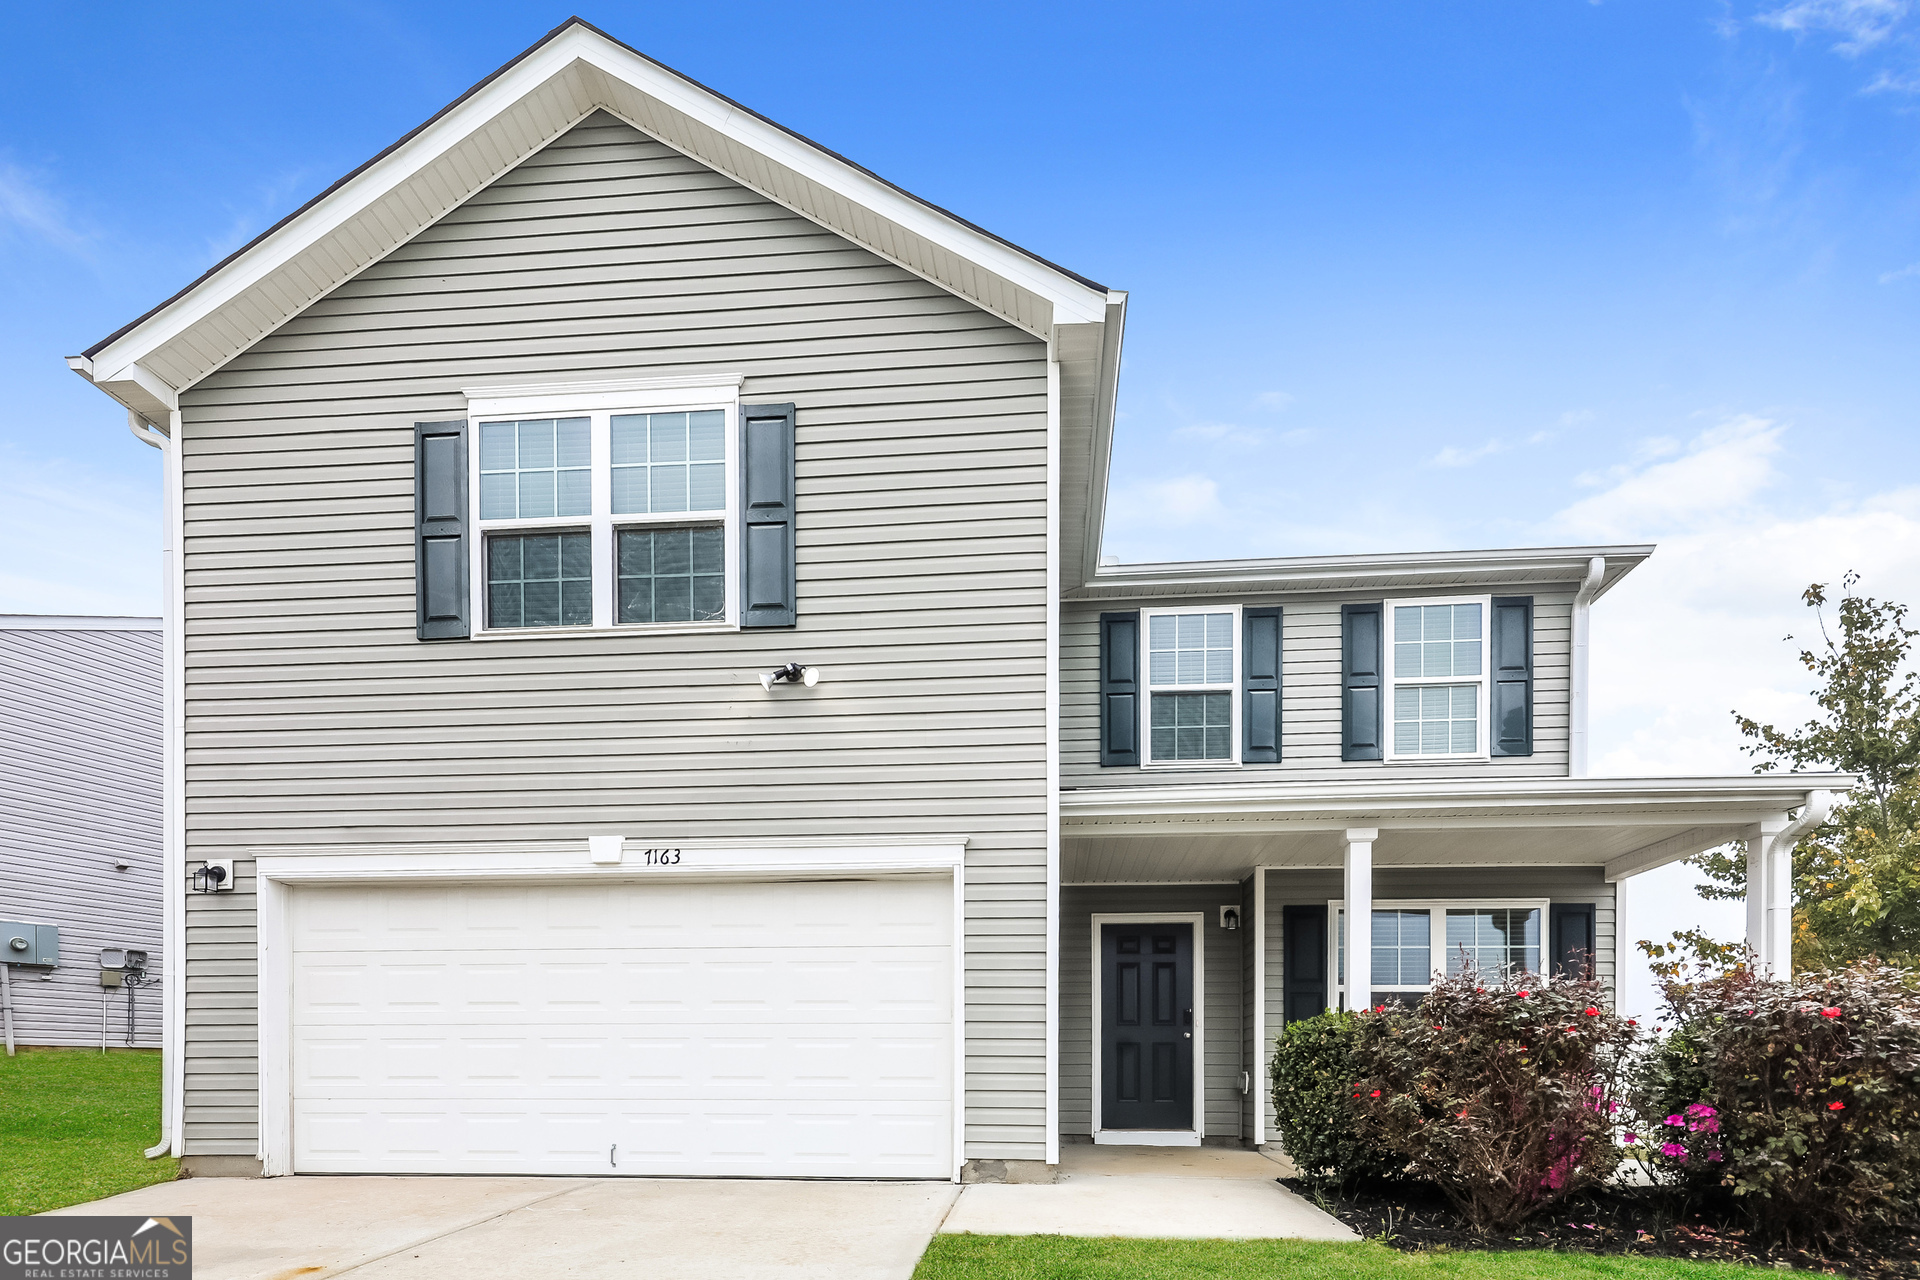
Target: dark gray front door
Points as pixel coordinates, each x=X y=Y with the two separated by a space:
x=1146 y=1026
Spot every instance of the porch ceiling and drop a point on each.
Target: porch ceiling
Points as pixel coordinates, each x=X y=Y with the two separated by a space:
x=1222 y=831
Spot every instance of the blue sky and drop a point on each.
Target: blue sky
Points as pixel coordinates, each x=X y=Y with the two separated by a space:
x=1403 y=275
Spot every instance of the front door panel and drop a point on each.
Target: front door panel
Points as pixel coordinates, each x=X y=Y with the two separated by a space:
x=1146 y=1026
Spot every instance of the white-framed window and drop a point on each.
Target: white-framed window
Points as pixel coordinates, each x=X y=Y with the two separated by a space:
x=1414 y=941
x=610 y=507
x=1191 y=712
x=1437 y=677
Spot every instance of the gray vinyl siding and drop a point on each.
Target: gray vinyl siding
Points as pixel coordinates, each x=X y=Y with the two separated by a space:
x=1310 y=700
x=80 y=788
x=314 y=717
x=1319 y=887
x=1222 y=1057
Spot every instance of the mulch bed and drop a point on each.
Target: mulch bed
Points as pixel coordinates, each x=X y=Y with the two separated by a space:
x=1644 y=1221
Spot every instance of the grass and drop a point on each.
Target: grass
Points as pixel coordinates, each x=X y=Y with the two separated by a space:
x=969 y=1257
x=73 y=1123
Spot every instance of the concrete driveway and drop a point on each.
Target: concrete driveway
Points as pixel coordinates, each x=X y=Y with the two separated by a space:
x=310 y=1228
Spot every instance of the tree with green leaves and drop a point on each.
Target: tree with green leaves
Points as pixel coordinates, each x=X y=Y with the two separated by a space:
x=1856 y=880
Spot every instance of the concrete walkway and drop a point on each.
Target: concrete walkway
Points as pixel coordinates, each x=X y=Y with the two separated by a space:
x=1165 y=1192
x=312 y=1228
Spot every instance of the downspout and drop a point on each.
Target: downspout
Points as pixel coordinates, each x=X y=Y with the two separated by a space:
x=1778 y=890
x=1577 y=713
x=173 y=873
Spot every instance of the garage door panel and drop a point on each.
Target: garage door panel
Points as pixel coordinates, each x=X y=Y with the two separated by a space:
x=700 y=984
x=723 y=1029
x=714 y=1140
x=774 y=1061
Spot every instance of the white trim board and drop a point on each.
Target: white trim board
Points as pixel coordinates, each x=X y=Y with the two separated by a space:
x=278 y=874
x=1166 y=1137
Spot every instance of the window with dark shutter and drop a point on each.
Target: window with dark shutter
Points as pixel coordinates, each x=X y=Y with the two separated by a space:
x=1511 y=695
x=1119 y=689
x=441 y=551
x=1260 y=645
x=767 y=575
x=1360 y=651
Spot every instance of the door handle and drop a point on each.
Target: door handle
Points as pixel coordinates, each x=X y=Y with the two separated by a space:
x=1189 y=1018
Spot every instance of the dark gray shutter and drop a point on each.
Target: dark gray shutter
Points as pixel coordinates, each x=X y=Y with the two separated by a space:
x=1303 y=979
x=767 y=582
x=1571 y=939
x=1260 y=635
x=1119 y=689
x=440 y=554
x=1511 y=732
x=1360 y=690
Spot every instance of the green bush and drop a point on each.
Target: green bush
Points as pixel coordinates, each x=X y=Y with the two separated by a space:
x=1807 y=1092
x=1502 y=1094
x=1311 y=1074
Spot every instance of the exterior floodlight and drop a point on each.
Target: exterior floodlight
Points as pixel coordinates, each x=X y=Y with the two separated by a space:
x=792 y=673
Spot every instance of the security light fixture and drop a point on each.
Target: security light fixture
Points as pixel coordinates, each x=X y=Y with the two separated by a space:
x=792 y=673
x=1229 y=917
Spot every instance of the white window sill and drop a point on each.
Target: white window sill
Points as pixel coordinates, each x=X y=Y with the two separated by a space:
x=1460 y=759
x=1189 y=766
x=629 y=629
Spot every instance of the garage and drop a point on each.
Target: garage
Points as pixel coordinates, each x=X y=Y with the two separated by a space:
x=788 y=1028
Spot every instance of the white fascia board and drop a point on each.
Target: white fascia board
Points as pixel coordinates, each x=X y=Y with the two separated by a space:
x=1074 y=302
x=1358 y=572
x=1520 y=800
x=1071 y=299
x=134 y=386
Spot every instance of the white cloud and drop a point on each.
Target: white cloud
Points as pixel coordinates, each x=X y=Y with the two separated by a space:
x=1721 y=473
x=1454 y=456
x=27 y=204
x=1860 y=24
x=1911 y=269
x=79 y=541
x=1274 y=400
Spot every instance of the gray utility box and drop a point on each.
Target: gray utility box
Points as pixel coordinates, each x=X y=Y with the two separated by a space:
x=23 y=943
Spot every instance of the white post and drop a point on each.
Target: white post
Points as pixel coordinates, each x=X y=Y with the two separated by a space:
x=1359 y=927
x=1769 y=923
x=1259 y=1006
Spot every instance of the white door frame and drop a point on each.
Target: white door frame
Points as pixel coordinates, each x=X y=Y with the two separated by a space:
x=562 y=862
x=1156 y=1137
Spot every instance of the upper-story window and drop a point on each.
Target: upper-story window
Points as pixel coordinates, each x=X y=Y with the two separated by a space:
x=1192 y=673
x=1437 y=678
x=608 y=515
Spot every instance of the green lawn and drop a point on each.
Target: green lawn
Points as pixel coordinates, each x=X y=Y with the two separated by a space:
x=967 y=1257
x=73 y=1123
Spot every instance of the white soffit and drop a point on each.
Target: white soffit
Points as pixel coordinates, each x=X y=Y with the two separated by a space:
x=574 y=71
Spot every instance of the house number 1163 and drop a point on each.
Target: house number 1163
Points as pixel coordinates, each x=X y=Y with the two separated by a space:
x=661 y=857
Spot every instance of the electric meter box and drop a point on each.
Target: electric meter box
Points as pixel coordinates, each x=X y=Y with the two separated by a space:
x=24 y=943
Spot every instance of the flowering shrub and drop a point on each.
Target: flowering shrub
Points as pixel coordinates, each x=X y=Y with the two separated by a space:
x=1504 y=1095
x=1808 y=1092
x=1311 y=1070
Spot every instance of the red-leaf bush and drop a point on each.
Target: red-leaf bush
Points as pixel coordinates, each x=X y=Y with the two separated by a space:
x=1812 y=1088
x=1504 y=1094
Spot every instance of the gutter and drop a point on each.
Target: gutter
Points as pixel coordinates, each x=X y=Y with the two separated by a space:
x=1577 y=712
x=173 y=873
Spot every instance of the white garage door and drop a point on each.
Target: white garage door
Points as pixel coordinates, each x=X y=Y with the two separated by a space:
x=768 y=1029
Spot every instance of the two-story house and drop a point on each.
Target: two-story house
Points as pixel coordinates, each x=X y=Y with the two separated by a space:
x=645 y=698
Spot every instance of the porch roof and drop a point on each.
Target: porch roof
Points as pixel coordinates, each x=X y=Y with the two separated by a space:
x=1222 y=831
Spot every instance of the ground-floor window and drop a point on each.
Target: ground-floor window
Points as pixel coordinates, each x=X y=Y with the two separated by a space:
x=1412 y=942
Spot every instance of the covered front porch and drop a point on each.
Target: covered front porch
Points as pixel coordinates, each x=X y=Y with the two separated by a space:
x=1194 y=921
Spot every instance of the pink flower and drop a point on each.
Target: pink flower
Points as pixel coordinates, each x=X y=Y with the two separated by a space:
x=1633 y=1137
x=1674 y=1150
x=1715 y=1157
x=1676 y=1121
x=1699 y=1109
x=1830 y=1012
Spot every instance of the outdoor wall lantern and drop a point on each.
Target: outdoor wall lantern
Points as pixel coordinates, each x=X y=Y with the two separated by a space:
x=1229 y=917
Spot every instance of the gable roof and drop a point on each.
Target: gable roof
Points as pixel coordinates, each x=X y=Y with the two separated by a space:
x=572 y=71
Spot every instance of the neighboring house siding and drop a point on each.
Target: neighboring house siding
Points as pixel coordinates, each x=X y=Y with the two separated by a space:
x=1310 y=699
x=1223 y=1058
x=80 y=788
x=1318 y=887
x=315 y=717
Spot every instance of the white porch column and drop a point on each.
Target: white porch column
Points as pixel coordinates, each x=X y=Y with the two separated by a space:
x=1770 y=896
x=1359 y=928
